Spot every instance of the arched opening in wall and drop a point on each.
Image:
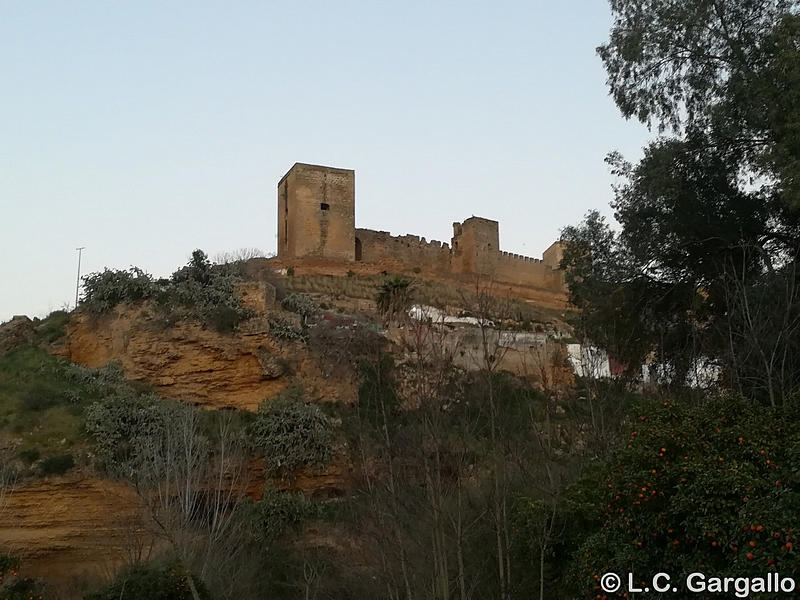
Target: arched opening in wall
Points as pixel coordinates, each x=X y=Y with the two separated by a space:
x=358 y=249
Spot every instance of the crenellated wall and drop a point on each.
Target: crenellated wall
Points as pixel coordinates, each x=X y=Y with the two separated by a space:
x=473 y=252
x=409 y=250
x=525 y=270
x=316 y=213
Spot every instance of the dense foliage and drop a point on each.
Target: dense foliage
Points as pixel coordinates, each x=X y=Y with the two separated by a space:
x=395 y=296
x=708 y=487
x=284 y=328
x=122 y=426
x=42 y=404
x=14 y=585
x=292 y=433
x=726 y=70
x=155 y=581
x=103 y=291
x=277 y=513
x=199 y=290
x=705 y=263
x=301 y=304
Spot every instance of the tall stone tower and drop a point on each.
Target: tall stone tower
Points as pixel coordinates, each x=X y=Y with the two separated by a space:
x=316 y=213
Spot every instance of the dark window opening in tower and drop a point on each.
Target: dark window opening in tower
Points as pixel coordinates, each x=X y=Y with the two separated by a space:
x=358 y=250
x=324 y=206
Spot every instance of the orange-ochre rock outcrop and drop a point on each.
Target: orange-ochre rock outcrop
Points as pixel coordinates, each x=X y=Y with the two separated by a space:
x=195 y=364
x=71 y=526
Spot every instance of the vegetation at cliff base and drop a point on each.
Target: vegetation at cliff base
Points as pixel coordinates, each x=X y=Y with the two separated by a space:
x=154 y=581
x=42 y=404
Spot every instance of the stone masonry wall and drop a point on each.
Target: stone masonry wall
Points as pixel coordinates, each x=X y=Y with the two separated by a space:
x=411 y=251
x=316 y=221
x=316 y=213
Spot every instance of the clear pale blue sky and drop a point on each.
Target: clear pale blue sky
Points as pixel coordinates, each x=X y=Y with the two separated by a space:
x=143 y=130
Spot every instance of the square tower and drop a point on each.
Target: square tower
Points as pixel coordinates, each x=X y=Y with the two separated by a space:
x=475 y=246
x=316 y=213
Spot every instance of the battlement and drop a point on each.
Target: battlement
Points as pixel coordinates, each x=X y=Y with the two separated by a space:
x=512 y=256
x=316 y=216
x=409 y=250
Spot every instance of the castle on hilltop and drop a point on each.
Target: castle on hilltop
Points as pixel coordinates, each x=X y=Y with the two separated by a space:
x=316 y=224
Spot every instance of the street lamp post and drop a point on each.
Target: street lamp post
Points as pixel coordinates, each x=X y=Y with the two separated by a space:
x=78 y=282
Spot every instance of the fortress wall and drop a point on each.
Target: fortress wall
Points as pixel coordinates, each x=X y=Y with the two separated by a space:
x=524 y=270
x=409 y=250
x=316 y=218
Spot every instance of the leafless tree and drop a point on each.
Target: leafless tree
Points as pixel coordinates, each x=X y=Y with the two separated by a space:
x=240 y=255
x=490 y=312
x=8 y=480
x=762 y=325
x=193 y=485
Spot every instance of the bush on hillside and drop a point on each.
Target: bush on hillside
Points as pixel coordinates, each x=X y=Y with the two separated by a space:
x=13 y=585
x=57 y=465
x=29 y=455
x=53 y=327
x=169 y=581
x=282 y=328
x=395 y=296
x=280 y=511
x=292 y=433
x=121 y=425
x=103 y=291
x=301 y=304
x=206 y=292
x=199 y=290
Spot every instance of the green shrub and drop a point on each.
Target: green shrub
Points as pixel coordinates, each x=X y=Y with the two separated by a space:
x=40 y=396
x=301 y=304
x=707 y=486
x=277 y=512
x=282 y=328
x=57 y=465
x=395 y=296
x=169 y=581
x=120 y=425
x=198 y=290
x=224 y=319
x=206 y=292
x=292 y=433
x=29 y=455
x=14 y=586
x=43 y=399
x=104 y=291
x=53 y=327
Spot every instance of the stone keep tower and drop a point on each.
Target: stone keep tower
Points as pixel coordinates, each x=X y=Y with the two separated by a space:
x=316 y=213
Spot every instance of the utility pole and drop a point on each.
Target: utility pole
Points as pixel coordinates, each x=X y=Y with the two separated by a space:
x=78 y=282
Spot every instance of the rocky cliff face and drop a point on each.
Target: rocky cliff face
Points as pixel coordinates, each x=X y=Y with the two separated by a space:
x=80 y=525
x=15 y=333
x=72 y=526
x=190 y=363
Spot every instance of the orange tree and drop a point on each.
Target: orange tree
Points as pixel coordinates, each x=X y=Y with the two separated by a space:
x=708 y=486
x=13 y=585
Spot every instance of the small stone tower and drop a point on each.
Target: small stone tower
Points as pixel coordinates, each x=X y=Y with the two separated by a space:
x=476 y=246
x=316 y=213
